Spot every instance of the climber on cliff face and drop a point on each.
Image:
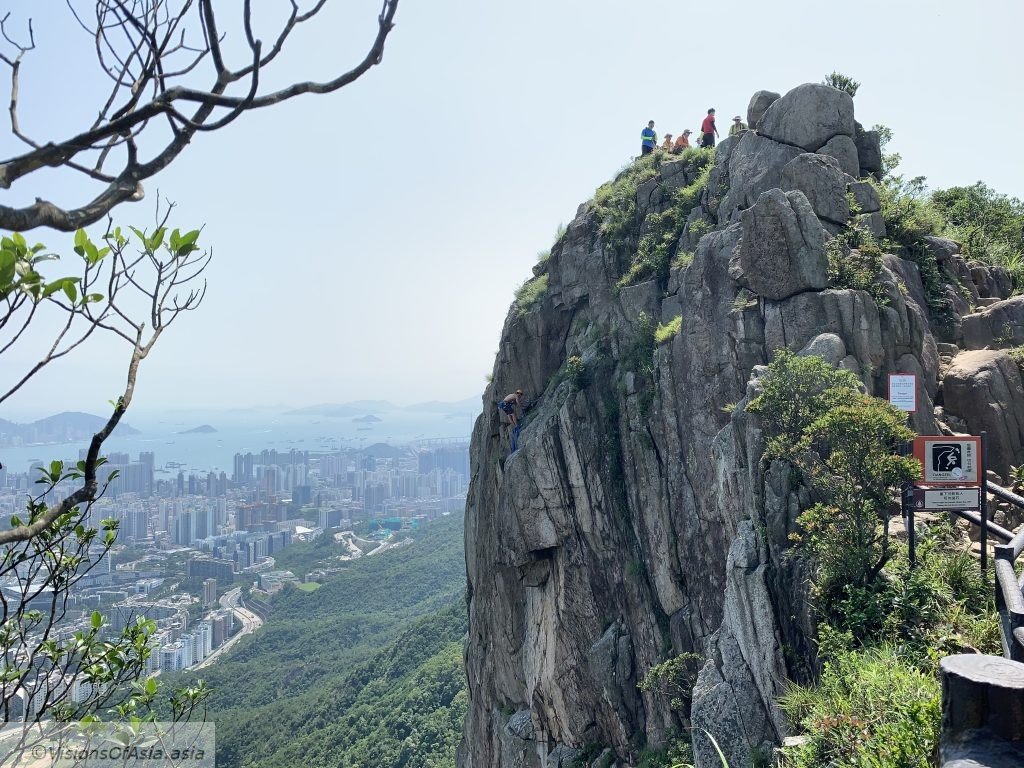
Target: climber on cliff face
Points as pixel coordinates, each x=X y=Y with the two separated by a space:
x=737 y=126
x=648 y=139
x=708 y=130
x=510 y=406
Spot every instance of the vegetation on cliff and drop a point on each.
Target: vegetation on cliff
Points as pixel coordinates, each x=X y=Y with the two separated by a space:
x=653 y=245
x=883 y=627
x=989 y=226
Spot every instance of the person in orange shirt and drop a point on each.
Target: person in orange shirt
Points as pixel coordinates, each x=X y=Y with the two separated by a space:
x=683 y=142
x=667 y=144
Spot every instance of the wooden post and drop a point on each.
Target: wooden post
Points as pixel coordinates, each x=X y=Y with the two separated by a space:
x=982 y=710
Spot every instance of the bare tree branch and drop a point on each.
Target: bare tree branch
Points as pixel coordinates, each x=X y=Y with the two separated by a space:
x=152 y=59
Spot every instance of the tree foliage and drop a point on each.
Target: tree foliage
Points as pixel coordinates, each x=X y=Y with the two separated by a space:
x=132 y=286
x=850 y=454
x=794 y=392
x=989 y=226
x=842 y=82
x=846 y=444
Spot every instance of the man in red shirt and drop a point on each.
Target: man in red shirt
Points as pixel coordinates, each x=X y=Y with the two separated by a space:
x=708 y=130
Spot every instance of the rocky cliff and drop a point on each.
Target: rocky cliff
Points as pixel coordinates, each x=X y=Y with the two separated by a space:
x=636 y=521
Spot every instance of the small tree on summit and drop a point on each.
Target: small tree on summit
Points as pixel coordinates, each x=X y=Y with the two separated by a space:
x=842 y=82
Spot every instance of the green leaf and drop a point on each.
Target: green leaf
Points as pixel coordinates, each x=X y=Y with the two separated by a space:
x=62 y=285
x=187 y=243
x=7 y=260
x=156 y=240
x=96 y=620
x=71 y=292
x=81 y=240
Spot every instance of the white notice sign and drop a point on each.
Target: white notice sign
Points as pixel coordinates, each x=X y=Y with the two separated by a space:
x=950 y=499
x=903 y=391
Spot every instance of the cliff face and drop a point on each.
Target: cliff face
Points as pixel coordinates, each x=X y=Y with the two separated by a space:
x=635 y=521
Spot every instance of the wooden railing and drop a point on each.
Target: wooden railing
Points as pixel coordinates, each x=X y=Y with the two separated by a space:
x=1009 y=599
x=983 y=696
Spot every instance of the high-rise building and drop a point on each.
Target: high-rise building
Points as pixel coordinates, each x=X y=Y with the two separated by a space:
x=199 y=569
x=209 y=593
x=184 y=528
x=205 y=521
x=135 y=525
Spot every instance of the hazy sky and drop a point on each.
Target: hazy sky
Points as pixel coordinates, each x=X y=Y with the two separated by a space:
x=368 y=243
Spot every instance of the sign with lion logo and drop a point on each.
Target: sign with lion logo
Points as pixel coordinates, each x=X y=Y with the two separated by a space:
x=949 y=460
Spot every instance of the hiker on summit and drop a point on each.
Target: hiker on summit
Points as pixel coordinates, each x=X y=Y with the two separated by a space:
x=737 y=126
x=510 y=406
x=666 y=145
x=708 y=130
x=648 y=139
x=683 y=142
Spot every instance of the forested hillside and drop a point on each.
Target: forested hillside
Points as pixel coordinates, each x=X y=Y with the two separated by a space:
x=367 y=670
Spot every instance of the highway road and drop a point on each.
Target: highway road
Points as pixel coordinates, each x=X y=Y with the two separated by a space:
x=250 y=623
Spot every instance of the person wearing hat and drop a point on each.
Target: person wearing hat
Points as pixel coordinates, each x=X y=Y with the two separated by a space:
x=708 y=130
x=510 y=406
x=683 y=142
x=667 y=143
x=737 y=126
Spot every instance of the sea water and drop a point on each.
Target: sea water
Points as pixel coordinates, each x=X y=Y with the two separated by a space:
x=174 y=449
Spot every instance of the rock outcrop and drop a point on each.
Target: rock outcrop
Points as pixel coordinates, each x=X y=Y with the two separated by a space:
x=782 y=251
x=984 y=389
x=824 y=184
x=759 y=102
x=809 y=117
x=637 y=521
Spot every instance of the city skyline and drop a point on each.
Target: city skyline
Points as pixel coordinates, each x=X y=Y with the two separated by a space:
x=187 y=541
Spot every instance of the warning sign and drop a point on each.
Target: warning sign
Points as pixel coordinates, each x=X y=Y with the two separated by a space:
x=903 y=391
x=949 y=460
x=948 y=499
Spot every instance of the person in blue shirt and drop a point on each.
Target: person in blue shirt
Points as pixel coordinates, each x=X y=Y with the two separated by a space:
x=648 y=139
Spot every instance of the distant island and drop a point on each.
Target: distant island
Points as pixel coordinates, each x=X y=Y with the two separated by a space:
x=370 y=407
x=70 y=426
x=367 y=419
x=203 y=429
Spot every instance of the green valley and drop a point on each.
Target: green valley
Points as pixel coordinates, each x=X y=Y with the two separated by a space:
x=366 y=670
